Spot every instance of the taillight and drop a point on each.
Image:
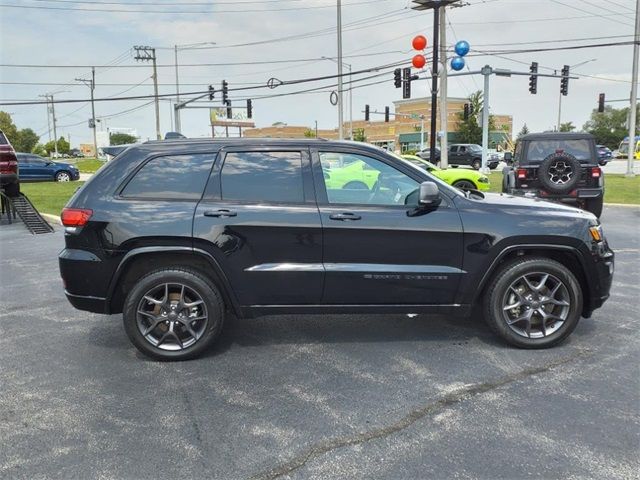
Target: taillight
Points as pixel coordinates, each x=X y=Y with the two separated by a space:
x=75 y=217
x=596 y=172
x=522 y=173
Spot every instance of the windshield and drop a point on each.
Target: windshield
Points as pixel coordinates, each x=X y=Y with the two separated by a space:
x=475 y=148
x=624 y=147
x=541 y=149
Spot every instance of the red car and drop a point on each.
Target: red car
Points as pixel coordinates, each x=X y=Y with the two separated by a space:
x=9 y=182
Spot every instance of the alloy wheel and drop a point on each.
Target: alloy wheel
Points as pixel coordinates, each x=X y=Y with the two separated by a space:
x=63 y=177
x=536 y=305
x=172 y=316
x=560 y=172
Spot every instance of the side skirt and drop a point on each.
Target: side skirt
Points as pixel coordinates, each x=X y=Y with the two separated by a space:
x=250 y=311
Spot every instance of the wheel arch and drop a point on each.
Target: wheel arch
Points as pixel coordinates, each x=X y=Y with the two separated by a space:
x=140 y=261
x=567 y=255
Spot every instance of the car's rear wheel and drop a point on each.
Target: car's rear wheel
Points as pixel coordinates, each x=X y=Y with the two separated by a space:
x=533 y=302
x=63 y=177
x=355 y=185
x=465 y=185
x=173 y=314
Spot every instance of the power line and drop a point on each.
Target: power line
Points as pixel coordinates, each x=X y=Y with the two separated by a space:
x=587 y=11
x=182 y=12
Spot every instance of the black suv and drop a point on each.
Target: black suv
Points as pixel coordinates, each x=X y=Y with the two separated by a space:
x=463 y=154
x=179 y=234
x=557 y=166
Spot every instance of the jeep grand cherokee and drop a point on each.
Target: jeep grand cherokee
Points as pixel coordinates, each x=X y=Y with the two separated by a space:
x=177 y=235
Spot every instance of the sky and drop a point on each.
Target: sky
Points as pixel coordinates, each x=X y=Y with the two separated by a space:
x=65 y=38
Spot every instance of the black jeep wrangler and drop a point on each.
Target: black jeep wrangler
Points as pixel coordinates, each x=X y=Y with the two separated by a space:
x=556 y=166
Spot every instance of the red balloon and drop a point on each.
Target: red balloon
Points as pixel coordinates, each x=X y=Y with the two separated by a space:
x=419 y=42
x=418 y=61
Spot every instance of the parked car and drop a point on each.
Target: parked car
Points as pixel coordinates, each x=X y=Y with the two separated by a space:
x=76 y=153
x=461 y=178
x=563 y=167
x=9 y=180
x=463 y=154
x=425 y=154
x=34 y=168
x=605 y=154
x=178 y=235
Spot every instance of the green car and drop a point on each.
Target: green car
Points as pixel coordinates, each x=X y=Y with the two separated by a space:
x=462 y=178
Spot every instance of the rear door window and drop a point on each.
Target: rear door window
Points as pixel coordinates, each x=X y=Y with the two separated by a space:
x=171 y=177
x=257 y=177
x=541 y=149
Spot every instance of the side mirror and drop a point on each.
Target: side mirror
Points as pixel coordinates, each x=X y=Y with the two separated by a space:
x=429 y=195
x=508 y=157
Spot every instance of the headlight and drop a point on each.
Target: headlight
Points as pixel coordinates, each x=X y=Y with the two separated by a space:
x=483 y=180
x=596 y=233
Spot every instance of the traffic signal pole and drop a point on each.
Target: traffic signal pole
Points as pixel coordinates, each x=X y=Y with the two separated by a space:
x=434 y=82
x=444 y=110
x=634 y=96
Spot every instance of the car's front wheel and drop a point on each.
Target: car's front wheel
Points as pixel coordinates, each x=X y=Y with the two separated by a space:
x=465 y=185
x=533 y=302
x=476 y=164
x=63 y=177
x=173 y=314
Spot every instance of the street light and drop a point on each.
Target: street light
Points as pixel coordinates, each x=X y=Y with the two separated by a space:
x=188 y=46
x=560 y=98
x=348 y=65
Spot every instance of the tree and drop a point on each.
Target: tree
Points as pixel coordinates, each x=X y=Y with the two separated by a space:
x=121 y=139
x=39 y=150
x=470 y=130
x=358 y=135
x=523 y=131
x=567 y=127
x=8 y=127
x=63 y=146
x=610 y=126
x=26 y=140
x=308 y=133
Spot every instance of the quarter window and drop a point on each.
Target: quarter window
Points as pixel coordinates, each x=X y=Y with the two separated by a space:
x=272 y=177
x=360 y=180
x=173 y=177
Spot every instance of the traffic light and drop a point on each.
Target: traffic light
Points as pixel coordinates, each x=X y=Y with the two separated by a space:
x=601 y=103
x=397 y=77
x=212 y=92
x=229 y=113
x=406 y=82
x=533 y=79
x=386 y=114
x=564 y=81
x=467 y=111
x=366 y=113
x=249 y=109
x=225 y=91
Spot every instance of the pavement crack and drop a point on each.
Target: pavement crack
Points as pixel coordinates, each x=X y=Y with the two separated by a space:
x=320 y=448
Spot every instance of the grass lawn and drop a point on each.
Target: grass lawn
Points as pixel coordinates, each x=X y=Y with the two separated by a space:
x=88 y=165
x=618 y=188
x=49 y=197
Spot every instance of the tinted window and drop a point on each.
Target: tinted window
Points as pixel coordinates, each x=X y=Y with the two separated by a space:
x=541 y=149
x=361 y=180
x=171 y=177
x=262 y=177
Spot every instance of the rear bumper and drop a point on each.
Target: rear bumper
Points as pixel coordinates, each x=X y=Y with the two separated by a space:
x=87 y=303
x=85 y=277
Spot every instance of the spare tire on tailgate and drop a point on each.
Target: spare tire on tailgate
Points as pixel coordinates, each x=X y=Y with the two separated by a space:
x=559 y=173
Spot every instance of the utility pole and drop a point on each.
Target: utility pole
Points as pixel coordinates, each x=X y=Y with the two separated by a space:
x=434 y=83
x=55 y=133
x=486 y=71
x=177 y=111
x=92 y=85
x=340 y=113
x=48 y=115
x=146 y=54
x=634 y=93
x=444 y=111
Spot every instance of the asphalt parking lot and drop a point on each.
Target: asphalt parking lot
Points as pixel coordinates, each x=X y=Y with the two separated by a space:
x=317 y=396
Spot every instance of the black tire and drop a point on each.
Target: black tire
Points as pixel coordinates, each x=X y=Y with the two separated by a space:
x=465 y=185
x=194 y=282
x=61 y=175
x=500 y=286
x=594 y=205
x=356 y=185
x=476 y=164
x=559 y=173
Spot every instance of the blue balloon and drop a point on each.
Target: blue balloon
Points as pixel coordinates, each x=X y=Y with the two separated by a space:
x=462 y=48
x=457 y=63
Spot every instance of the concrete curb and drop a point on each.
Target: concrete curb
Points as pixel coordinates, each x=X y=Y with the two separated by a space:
x=51 y=218
x=628 y=205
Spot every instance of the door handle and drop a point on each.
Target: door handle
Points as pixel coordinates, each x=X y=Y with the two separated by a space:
x=223 y=212
x=345 y=216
